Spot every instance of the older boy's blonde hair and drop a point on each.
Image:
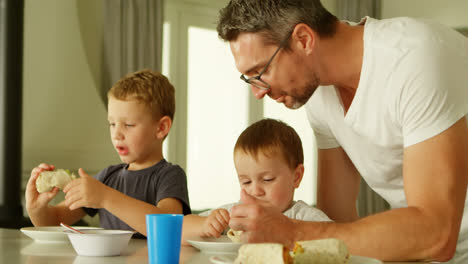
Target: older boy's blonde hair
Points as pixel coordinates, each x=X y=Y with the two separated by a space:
x=272 y=137
x=149 y=87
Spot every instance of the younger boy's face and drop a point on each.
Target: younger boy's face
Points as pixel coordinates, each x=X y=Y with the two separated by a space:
x=133 y=133
x=267 y=178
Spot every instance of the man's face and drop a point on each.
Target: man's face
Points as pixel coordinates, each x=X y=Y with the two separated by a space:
x=291 y=80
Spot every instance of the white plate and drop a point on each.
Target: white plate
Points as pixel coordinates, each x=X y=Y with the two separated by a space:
x=220 y=245
x=352 y=260
x=50 y=234
x=223 y=259
x=363 y=260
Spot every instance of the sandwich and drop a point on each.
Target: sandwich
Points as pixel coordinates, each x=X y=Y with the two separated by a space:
x=234 y=235
x=263 y=253
x=321 y=251
x=47 y=180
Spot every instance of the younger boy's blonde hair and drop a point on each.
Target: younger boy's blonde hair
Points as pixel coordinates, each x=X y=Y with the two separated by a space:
x=272 y=137
x=149 y=87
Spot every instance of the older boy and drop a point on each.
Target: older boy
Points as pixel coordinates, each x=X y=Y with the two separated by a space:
x=140 y=112
x=269 y=161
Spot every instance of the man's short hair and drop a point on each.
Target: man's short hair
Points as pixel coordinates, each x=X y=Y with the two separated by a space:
x=149 y=87
x=274 y=19
x=271 y=137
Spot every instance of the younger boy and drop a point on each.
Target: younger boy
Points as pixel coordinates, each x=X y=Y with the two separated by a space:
x=141 y=108
x=269 y=161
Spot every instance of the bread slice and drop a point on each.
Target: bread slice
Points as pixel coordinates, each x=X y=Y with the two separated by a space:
x=234 y=235
x=321 y=251
x=50 y=179
x=263 y=253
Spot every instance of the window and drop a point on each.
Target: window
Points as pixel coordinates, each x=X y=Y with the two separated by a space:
x=213 y=106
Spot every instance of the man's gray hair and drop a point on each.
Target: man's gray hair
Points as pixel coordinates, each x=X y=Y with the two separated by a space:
x=274 y=19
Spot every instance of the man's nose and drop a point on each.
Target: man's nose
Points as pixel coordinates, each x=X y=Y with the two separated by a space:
x=258 y=92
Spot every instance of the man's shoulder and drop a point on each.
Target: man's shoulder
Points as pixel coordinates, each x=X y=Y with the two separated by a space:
x=400 y=24
x=405 y=33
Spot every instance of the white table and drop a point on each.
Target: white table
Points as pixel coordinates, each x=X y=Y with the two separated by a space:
x=15 y=247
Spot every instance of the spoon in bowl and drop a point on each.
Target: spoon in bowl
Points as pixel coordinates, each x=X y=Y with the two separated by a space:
x=71 y=228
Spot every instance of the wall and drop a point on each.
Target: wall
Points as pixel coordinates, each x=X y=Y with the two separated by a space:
x=453 y=13
x=64 y=120
x=330 y=5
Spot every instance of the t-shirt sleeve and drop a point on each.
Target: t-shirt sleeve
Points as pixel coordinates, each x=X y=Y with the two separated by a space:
x=100 y=177
x=228 y=207
x=305 y=212
x=173 y=184
x=315 y=112
x=435 y=96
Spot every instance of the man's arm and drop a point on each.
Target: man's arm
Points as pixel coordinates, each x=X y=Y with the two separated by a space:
x=435 y=174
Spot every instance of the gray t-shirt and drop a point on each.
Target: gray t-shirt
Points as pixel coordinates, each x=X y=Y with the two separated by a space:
x=160 y=181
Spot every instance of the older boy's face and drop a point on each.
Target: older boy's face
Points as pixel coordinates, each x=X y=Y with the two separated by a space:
x=133 y=133
x=267 y=178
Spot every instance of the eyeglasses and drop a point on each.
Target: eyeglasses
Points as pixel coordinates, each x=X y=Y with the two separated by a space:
x=256 y=80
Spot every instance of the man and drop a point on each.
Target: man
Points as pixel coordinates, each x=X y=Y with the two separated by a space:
x=389 y=104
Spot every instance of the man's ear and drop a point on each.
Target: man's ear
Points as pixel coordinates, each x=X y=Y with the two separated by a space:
x=304 y=38
x=298 y=174
x=164 y=126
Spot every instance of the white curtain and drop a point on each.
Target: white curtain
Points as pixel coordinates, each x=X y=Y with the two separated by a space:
x=368 y=202
x=132 y=39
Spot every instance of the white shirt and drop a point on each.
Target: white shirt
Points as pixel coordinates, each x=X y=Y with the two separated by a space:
x=298 y=210
x=413 y=86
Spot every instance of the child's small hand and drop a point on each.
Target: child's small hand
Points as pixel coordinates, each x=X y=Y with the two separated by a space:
x=34 y=199
x=216 y=223
x=84 y=192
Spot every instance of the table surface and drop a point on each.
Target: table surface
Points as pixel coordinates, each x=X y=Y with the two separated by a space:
x=16 y=247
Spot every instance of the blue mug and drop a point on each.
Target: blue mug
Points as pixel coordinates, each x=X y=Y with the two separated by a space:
x=164 y=233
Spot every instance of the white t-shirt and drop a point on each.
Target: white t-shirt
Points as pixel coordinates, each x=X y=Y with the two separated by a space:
x=413 y=86
x=298 y=210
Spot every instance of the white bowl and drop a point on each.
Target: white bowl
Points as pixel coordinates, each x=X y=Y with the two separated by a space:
x=103 y=242
x=50 y=234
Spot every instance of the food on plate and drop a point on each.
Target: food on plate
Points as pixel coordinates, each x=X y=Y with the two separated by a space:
x=263 y=253
x=234 y=235
x=50 y=179
x=321 y=251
